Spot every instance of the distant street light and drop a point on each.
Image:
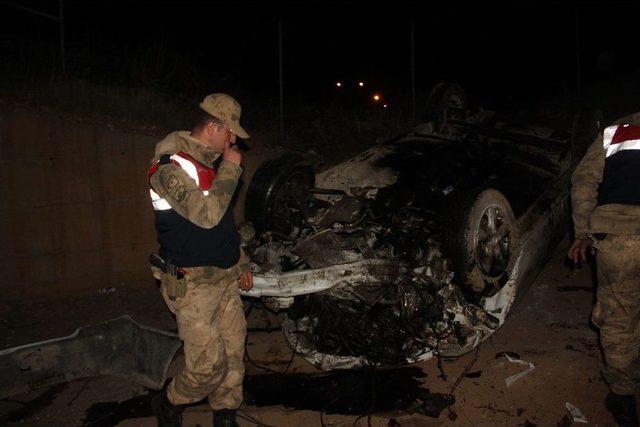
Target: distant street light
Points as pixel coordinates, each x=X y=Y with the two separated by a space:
x=339 y=84
x=377 y=97
x=361 y=84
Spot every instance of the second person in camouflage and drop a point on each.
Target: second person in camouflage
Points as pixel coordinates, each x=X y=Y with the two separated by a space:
x=606 y=215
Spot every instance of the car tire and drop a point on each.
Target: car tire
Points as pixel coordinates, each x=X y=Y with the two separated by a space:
x=278 y=193
x=446 y=100
x=480 y=240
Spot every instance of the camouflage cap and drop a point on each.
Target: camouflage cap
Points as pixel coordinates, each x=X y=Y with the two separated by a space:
x=227 y=109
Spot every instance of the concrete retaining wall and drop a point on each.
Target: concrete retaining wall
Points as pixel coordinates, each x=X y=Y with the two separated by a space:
x=74 y=206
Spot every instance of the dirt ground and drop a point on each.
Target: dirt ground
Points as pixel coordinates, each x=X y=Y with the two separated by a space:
x=549 y=328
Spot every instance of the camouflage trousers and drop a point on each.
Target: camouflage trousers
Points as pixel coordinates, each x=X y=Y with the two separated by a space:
x=617 y=309
x=212 y=325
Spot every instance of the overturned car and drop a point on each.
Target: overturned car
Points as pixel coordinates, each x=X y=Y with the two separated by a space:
x=419 y=246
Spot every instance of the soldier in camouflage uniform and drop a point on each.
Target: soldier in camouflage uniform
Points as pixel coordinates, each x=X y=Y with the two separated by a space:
x=606 y=215
x=192 y=180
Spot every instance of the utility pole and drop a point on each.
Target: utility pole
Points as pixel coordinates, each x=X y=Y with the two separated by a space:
x=59 y=19
x=280 y=74
x=578 y=47
x=62 y=52
x=413 y=74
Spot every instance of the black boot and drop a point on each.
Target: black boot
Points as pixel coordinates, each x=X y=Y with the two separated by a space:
x=167 y=414
x=224 y=418
x=623 y=408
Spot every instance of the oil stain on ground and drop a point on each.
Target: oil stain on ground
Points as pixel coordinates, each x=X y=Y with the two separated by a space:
x=346 y=392
x=104 y=414
x=349 y=392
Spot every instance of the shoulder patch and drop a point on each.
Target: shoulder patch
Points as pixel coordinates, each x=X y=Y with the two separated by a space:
x=177 y=190
x=181 y=196
x=172 y=182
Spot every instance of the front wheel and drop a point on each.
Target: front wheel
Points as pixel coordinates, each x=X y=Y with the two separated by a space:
x=278 y=193
x=480 y=240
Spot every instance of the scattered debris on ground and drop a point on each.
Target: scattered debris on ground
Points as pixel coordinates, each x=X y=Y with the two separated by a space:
x=481 y=396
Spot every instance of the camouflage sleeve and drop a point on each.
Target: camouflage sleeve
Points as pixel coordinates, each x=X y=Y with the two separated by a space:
x=584 y=191
x=243 y=262
x=182 y=193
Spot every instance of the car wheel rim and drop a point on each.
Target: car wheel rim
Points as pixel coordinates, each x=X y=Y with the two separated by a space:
x=492 y=246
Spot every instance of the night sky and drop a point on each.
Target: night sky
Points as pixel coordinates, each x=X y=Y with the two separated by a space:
x=504 y=52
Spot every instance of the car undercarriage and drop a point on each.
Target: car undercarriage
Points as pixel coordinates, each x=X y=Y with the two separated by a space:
x=417 y=247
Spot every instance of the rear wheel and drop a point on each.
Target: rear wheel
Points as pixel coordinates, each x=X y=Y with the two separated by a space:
x=445 y=102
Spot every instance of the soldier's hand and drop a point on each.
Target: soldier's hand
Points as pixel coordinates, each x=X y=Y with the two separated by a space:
x=231 y=152
x=245 y=281
x=578 y=250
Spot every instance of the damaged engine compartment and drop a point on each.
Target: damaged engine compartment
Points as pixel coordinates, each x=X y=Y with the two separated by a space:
x=417 y=247
x=411 y=311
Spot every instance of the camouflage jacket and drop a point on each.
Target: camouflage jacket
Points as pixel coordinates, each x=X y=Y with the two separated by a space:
x=183 y=194
x=588 y=217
